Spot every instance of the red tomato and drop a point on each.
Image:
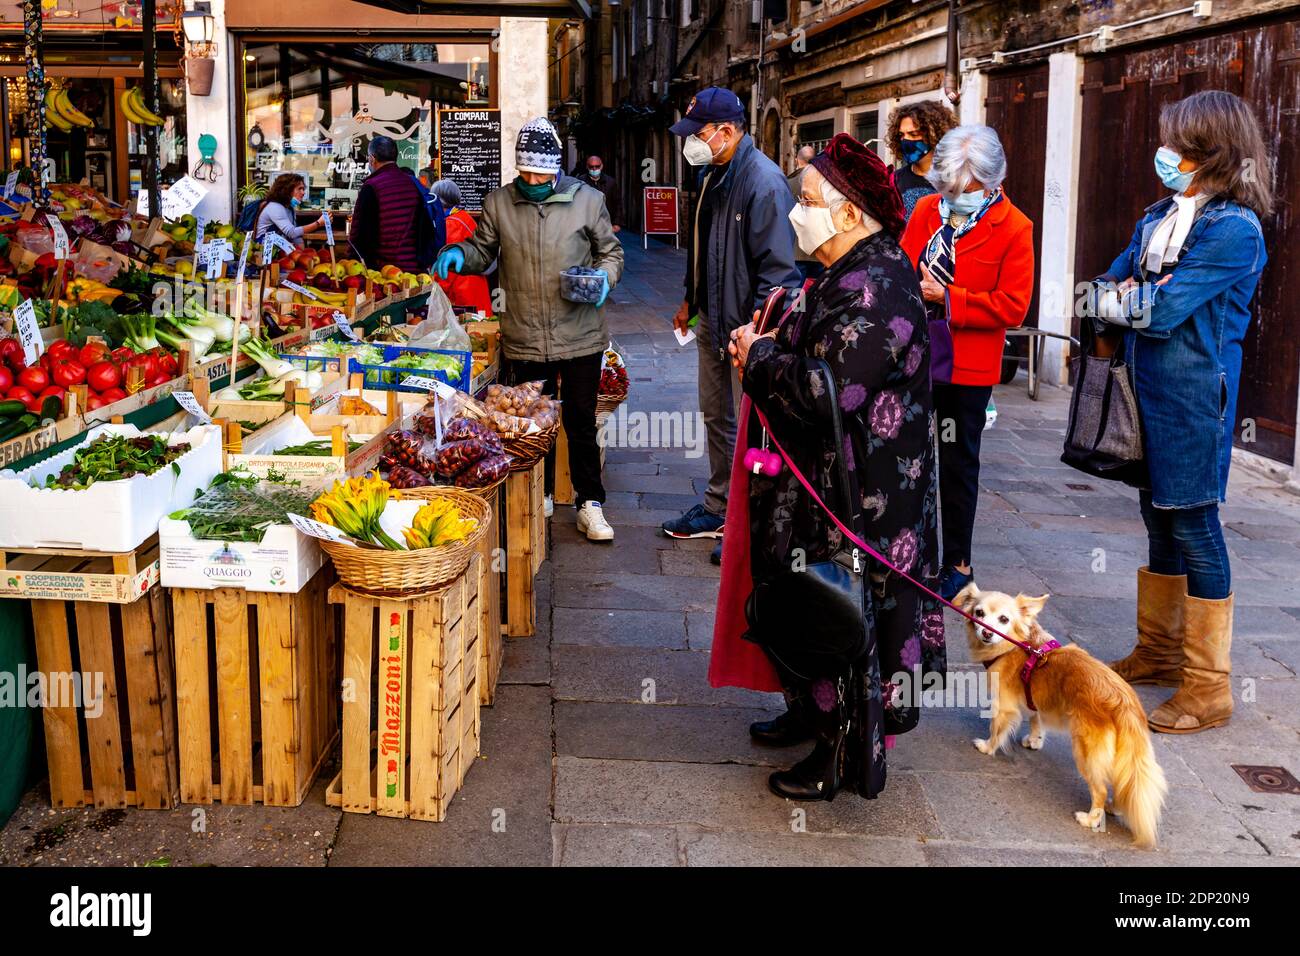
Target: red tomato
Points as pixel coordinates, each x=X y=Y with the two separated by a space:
x=55 y=390
x=162 y=378
x=112 y=395
x=68 y=372
x=92 y=353
x=34 y=379
x=103 y=376
x=93 y=402
x=61 y=350
x=11 y=350
x=6 y=380
x=20 y=394
x=121 y=354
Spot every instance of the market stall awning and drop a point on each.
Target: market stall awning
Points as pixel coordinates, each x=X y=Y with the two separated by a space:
x=489 y=8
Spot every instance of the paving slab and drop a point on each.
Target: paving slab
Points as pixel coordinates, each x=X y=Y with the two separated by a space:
x=606 y=845
x=682 y=734
x=620 y=628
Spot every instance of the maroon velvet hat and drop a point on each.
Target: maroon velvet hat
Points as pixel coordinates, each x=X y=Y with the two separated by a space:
x=863 y=177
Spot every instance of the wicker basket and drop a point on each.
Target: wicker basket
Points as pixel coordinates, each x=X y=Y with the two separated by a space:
x=527 y=449
x=384 y=573
x=605 y=404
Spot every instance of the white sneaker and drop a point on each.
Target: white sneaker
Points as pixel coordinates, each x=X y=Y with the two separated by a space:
x=592 y=523
x=548 y=505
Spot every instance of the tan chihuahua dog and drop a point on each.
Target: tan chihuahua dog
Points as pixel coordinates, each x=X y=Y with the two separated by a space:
x=1069 y=689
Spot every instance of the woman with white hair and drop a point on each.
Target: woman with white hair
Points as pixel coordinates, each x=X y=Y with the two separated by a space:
x=974 y=251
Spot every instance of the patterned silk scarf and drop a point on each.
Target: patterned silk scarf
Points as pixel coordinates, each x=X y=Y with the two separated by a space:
x=940 y=255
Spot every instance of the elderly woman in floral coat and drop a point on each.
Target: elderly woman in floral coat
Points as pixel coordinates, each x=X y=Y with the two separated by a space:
x=865 y=318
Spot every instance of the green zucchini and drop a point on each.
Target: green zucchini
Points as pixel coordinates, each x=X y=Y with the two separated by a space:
x=51 y=409
x=19 y=426
x=12 y=408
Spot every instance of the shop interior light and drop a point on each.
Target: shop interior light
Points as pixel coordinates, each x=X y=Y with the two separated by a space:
x=249 y=57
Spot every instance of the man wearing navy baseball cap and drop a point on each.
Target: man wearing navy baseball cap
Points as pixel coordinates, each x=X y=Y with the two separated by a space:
x=740 y=246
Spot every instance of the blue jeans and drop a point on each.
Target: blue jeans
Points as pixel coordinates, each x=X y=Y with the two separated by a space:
x=1188 y=541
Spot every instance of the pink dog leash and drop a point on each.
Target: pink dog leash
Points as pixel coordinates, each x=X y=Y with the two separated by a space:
x=1035 y=653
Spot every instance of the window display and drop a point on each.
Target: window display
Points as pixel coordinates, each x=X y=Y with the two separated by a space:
x=313 y=108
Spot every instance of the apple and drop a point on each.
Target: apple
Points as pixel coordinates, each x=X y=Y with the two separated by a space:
x=297 y=276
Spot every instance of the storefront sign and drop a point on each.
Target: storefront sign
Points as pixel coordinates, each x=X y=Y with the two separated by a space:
x=660 y=210
x=29 y=333
x=469 y=147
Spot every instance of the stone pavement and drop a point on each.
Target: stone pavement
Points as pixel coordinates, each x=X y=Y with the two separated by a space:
x=578 y=769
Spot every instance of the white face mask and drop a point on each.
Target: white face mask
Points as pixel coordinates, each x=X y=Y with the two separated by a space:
x=697 y=151
x=813 y=227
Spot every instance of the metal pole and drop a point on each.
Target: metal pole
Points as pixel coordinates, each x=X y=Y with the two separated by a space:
x=149 y=32
x=951 y=74
x=34 y=55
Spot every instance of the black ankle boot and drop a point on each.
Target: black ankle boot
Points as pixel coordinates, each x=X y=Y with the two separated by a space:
x=816 y=777
x=785 y=731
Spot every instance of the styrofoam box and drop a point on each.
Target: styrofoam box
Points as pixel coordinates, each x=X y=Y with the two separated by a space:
x=112 y=516
x=283 y=561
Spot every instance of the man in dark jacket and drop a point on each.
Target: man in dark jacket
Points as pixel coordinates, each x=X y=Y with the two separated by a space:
x=390 y=223
x=593 y=174
x=740 y=246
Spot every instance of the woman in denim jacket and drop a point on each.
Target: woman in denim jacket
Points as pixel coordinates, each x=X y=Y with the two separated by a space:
x=1183 y=288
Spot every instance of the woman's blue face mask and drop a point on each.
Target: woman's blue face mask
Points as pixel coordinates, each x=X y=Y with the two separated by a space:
x=295 y=202
x=1167 y=169
x=967 y=203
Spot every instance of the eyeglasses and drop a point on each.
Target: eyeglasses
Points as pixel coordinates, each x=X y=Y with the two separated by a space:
x=813 y=203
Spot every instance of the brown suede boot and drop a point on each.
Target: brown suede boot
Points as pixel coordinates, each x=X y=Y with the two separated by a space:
x=1158 y=657
x=1205 y=698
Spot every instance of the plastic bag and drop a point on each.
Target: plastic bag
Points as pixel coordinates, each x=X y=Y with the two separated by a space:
x=484 y=472
x=454 y=457
x=447 y=332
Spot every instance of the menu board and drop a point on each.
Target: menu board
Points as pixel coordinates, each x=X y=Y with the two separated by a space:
x=469 y=151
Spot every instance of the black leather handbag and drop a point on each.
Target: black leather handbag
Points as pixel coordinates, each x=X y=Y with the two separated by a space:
x=815 y=618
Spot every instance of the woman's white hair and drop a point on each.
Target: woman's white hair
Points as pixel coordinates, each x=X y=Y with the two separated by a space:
x=967 y=154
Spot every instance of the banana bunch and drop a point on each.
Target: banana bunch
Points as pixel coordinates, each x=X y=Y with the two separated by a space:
x=59 y=111
x=332 y=299
x=133 y=108
x=82 y=289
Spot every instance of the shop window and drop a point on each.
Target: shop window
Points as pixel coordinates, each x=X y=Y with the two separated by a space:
x=866 y=128
x=312 y=108
x=816 y=134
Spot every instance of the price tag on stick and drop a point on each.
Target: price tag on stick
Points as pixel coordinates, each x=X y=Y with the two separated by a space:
x=329 y=228
x=187 y=401
x=61 y=244
x=345 y=326
x=29 y=332
x=318 y=529
x=11 y=183
x=303 y=289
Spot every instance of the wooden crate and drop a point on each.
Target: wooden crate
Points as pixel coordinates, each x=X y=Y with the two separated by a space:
x=125 y=754
x=525 y=544
x=416 y=659
x=259 y=672
x=489 y=604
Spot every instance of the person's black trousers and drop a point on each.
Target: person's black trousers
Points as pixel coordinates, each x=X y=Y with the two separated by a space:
x=578 y=381
x=959 y=412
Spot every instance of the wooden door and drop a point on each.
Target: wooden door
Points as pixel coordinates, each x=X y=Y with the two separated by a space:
x=1016 y=108
x=1123 y=93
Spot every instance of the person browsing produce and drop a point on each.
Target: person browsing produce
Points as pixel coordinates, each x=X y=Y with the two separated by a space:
x=541 y=225
x=278 y=210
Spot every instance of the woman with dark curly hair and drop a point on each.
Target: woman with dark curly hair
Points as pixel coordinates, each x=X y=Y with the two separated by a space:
x=278 y=211
x=914 y=130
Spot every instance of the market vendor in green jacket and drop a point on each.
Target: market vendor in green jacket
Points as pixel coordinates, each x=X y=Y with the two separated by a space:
x=540 y=225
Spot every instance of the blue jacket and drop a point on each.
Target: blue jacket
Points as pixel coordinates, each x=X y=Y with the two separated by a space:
x=1186 y=361
x=750 y=244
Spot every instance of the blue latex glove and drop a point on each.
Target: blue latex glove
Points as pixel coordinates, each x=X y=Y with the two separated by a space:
x=604 y=287
x=450 y=259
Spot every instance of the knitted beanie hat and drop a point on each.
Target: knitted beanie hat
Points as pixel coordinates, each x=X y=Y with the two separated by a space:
x=537 y=150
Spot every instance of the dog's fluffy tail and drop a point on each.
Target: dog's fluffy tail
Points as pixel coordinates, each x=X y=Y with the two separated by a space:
x=1139 y=782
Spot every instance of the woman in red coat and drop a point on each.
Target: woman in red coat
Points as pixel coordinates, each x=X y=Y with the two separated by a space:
x=462 y=290
x=975 y=254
